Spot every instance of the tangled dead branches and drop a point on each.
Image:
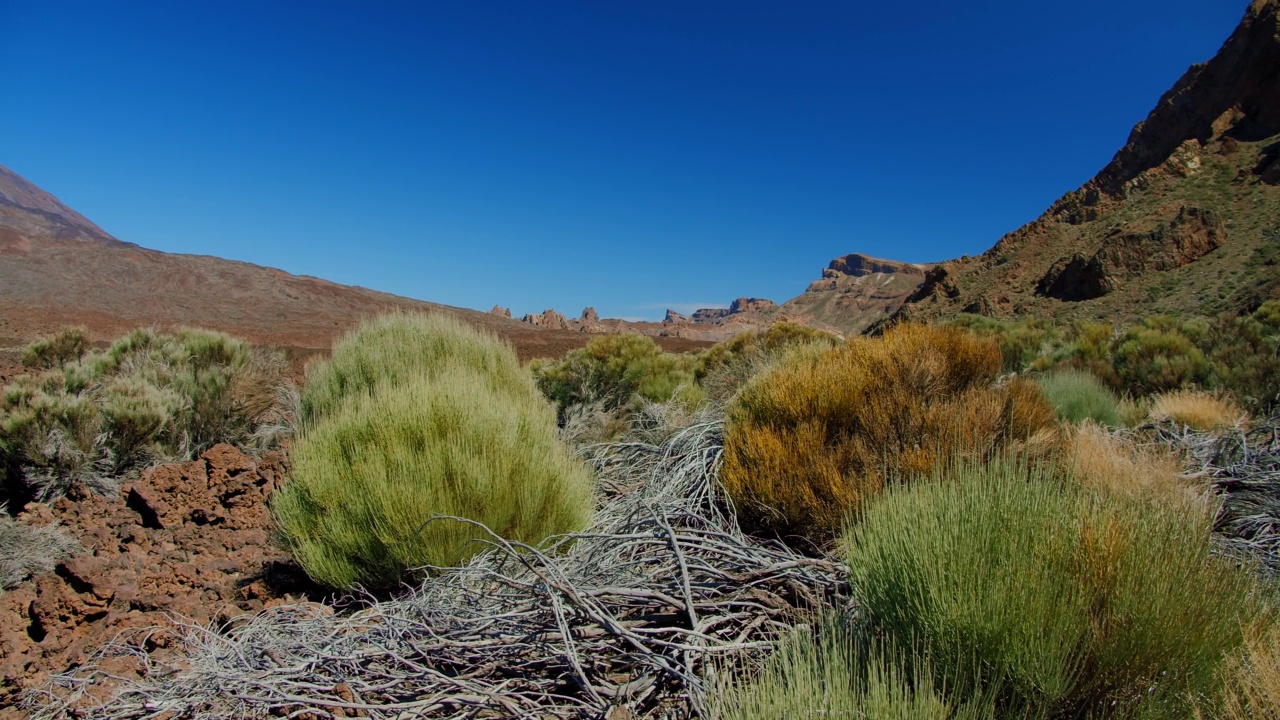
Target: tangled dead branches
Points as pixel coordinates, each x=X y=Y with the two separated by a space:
x=1244 y=465
x=626 y=613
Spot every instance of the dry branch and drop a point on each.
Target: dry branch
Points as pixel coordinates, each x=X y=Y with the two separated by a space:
x=627 y=612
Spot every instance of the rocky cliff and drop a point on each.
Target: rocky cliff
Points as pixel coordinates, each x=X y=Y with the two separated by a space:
x=1185 y=218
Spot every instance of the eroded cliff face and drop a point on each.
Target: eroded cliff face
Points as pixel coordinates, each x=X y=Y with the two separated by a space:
x=1183 y=219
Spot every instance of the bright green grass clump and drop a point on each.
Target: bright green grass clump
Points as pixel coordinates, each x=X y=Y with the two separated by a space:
x=449 y=428
x=1078 y=395
x=828 y=674
x=1058 y=602
x=393 y=348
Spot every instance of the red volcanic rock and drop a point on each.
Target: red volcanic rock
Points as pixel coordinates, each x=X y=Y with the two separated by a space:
x=192 y=540
x=500 y=311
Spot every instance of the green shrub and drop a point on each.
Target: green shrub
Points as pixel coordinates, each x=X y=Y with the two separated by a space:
x=808 y=441
x=149 y=396
x=393 y=348
x=56 y=351
x=615 y=370
x=1149 y=360
x=1078 y=395
x=828 y=673
x=416 y=416
x=1244 y=352
x=369 y=475
x=1022 y=343
x=1060 y=602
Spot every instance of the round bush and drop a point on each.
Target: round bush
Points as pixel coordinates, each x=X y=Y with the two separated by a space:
x=368 y=477
x=1058 y=602
x=391 y=349
x=417 y=416
x=809 y=440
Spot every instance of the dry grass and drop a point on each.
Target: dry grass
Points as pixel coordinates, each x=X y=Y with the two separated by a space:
x=1251 y=690
x=27 y=551
x=1117 y=463
x=808 y=441
x=1196 y=409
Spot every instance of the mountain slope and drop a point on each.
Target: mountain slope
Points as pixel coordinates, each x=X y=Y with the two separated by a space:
x=1185 y=218
x=57 y=268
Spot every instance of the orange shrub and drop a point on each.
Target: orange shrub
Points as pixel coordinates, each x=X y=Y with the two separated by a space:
x=808 y=442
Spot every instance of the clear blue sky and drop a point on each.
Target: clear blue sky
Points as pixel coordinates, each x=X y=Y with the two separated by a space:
x=628 y=155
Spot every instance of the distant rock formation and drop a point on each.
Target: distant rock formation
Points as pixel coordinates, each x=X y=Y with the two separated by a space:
x=548 y=319
x=500 y=311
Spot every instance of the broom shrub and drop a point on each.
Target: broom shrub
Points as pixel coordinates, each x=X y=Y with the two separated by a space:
x=452 y=426
x=1059 y=601
x=809 y=441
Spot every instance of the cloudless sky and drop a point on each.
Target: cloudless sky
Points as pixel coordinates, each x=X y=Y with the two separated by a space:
x=628 y=155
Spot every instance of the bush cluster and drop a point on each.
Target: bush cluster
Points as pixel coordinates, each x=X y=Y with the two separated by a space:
x=1055 y=601
x=1006 y=590
x=616 y=373
x=809 y=441
x=725 y=367
x=88 y=415
x=415 y=417
x=1235 y=354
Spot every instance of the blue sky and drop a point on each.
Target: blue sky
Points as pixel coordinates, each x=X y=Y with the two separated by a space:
x=627 y=155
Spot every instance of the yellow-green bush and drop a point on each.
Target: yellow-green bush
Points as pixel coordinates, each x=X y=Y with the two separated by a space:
x=807 y=442
x=393 y=348
x=452 y=426
x=1153 y=359
x=614 y=370
x=1022 y=343
x=1056 y=601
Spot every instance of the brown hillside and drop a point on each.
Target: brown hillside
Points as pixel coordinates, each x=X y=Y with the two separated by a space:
x=1185 y=218
x=57 y=268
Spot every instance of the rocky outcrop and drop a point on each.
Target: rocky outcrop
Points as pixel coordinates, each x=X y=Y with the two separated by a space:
x=500 y=311
x=673 y=317
x=859 y=265
x=190 y=540
x=1236 y=95
x=745 y=304
x=1201 y=172
x=547 y=319
x=1131 y=252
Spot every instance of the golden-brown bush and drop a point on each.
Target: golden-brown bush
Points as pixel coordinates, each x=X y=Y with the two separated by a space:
x=807 y=442
x=1196 y=409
